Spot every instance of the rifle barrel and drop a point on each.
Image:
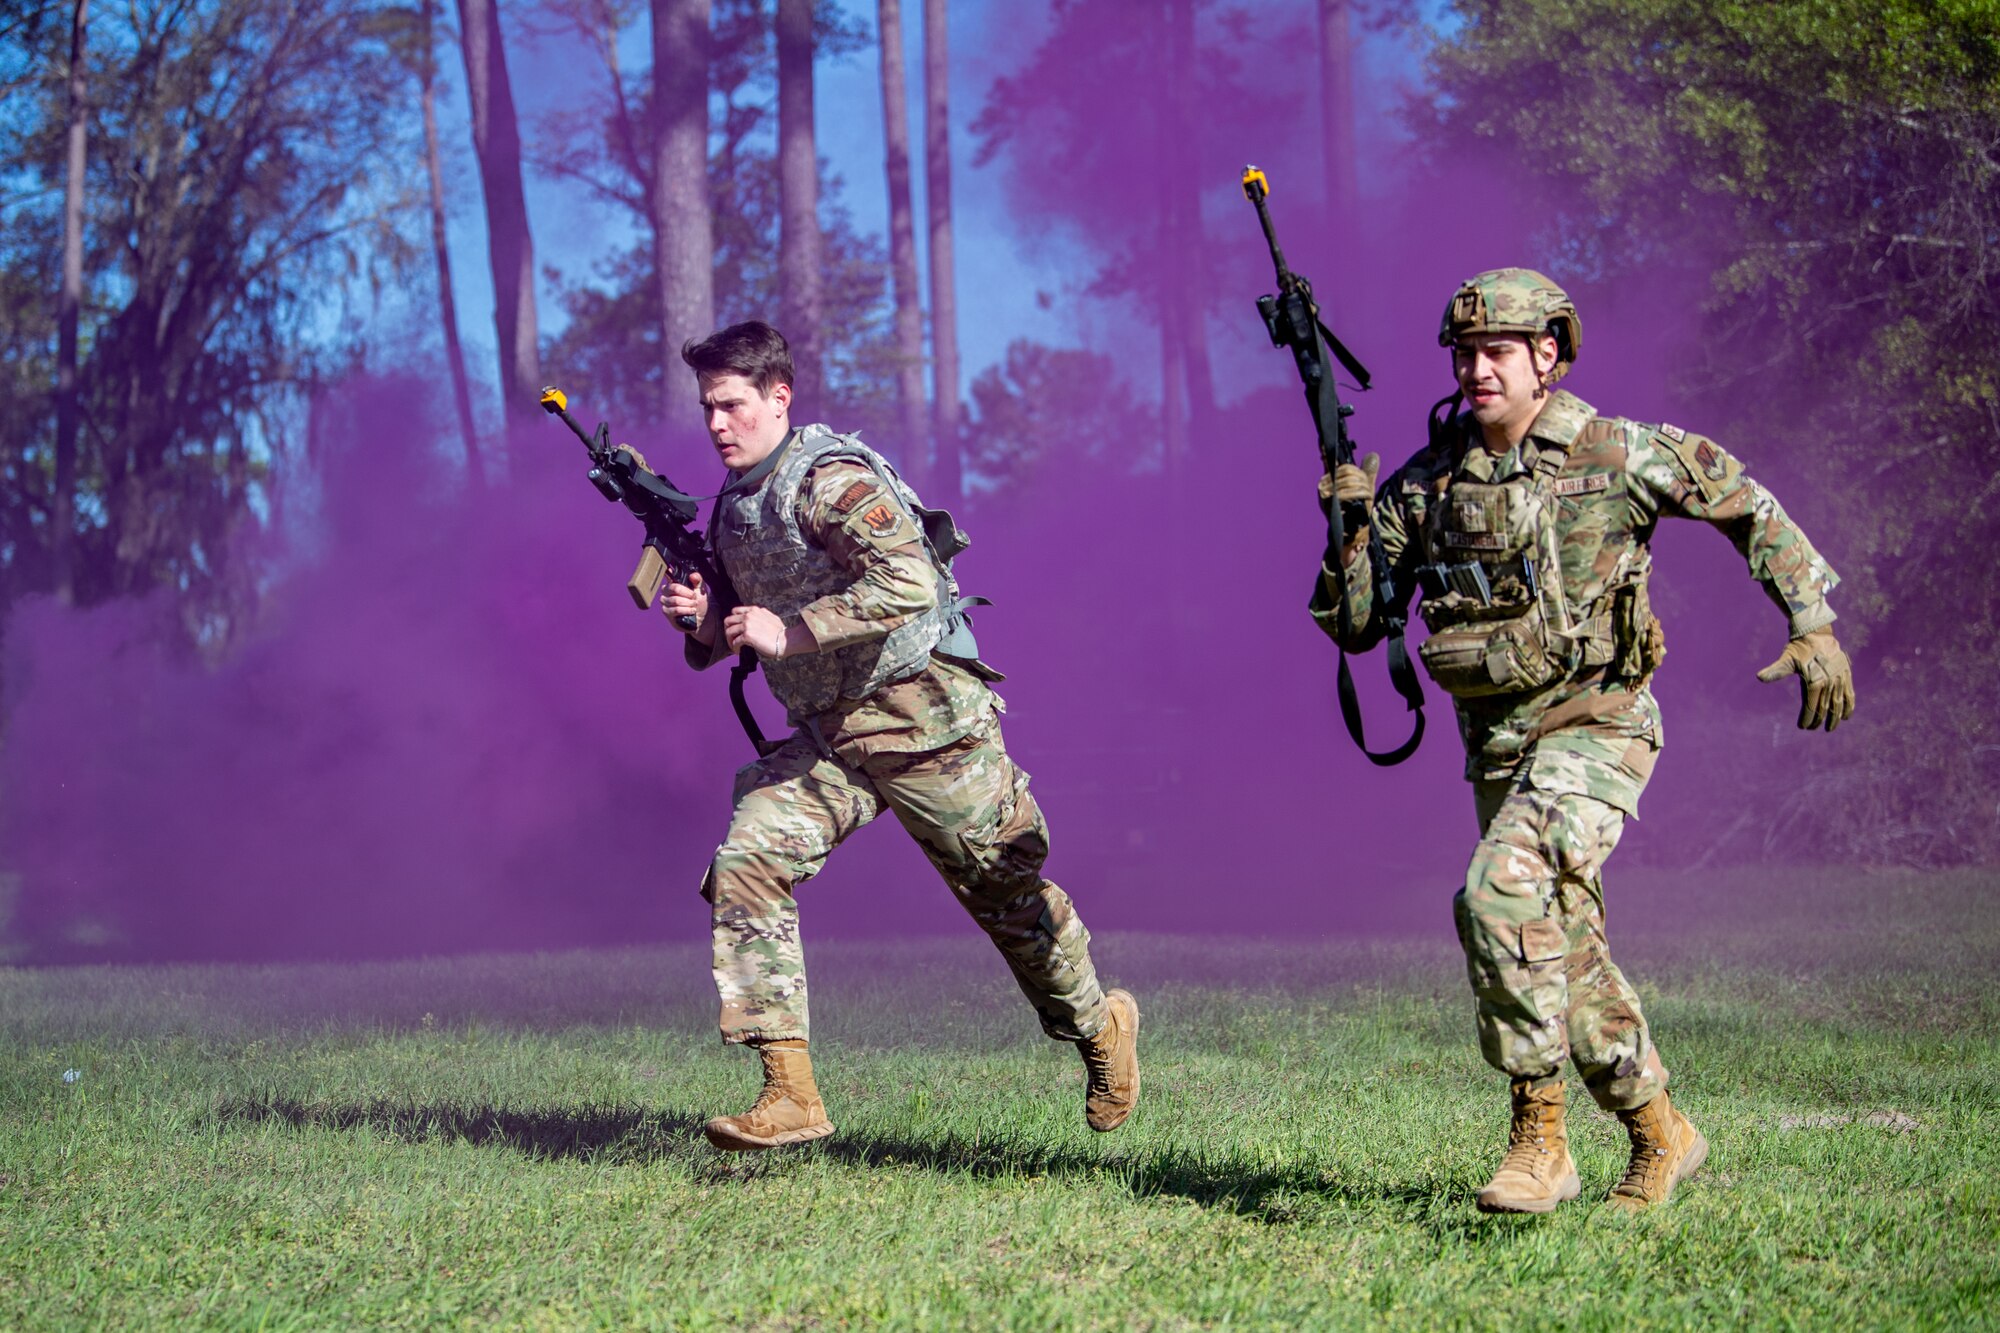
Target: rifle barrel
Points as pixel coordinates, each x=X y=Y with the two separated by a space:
x=1255 y=189
x=556 y=404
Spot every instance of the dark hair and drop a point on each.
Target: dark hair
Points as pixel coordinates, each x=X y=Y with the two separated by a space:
x=752 y=349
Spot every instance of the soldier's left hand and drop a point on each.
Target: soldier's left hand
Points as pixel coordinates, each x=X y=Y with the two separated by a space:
x=1826 y=678
x=757 y=627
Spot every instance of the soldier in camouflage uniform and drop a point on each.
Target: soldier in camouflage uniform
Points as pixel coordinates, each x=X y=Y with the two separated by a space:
x=846 y=597
x=1527 y=525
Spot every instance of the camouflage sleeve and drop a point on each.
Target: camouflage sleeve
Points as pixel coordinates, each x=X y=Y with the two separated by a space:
x=1687 y=476
x=701 y=656
x=851 y=512
x=1392 y=523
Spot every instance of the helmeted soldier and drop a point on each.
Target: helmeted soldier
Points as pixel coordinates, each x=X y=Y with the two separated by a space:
x=844 y=591
x=1527 y=524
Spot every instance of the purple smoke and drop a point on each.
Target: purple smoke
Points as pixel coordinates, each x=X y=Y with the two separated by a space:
x=456 y=732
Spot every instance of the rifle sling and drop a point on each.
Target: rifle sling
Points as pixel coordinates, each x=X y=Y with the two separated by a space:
x=746 y=663
x=1325 y=404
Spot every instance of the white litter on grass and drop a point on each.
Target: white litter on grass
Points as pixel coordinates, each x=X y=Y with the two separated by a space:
x=72 y=1075
x=1894 y=1121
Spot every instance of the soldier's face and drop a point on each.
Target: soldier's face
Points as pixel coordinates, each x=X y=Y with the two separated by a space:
x=1499 y=374
x=745 y=424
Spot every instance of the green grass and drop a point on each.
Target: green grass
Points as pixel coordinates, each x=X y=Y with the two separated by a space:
x=515 y=1141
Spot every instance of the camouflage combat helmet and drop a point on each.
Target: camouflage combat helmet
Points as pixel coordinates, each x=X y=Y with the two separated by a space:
x=1515 y=300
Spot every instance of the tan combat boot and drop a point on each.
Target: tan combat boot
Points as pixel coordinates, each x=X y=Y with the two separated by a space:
x=787 y=1111
x=1112 y=1060
x=1666 y=1149
x=1537 y=1173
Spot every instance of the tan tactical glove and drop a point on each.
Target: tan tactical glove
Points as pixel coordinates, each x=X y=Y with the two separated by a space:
x=1350 y=485
x=1826 y=678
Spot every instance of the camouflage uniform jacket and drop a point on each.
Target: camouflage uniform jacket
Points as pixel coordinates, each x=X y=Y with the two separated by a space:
x=827 y=543
x=1617 y=480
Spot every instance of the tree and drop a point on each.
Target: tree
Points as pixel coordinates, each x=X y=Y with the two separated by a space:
x=1041 y=400
x=510 y=247
x=1128 y=188
x=614 y=315
x=944 y=476
x=798 y=194
x=683 y=230
x=62 y=503
x=1822 y=180
x=903 y=243
x=243 y=166
x=1337 y=139
x=454 y=354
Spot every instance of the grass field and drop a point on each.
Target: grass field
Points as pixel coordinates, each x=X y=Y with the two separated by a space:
x=515 y=1141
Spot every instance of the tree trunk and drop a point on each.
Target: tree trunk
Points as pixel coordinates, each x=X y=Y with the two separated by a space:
x=798 y=202
x=1336 y=85
x=1173 y=351
x=1188 y=266
x=683 y=232
x=69 y=306
x=496 y=136
x=454 y=355
x=945 y=479
x=903 y=245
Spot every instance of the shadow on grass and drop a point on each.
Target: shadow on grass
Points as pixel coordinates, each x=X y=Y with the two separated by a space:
x=631 y=1136
x=615 y=1134
x=1275 y=1196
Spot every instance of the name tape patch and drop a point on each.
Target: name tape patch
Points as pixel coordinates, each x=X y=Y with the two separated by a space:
x=1588 y=485
x=1477 y=541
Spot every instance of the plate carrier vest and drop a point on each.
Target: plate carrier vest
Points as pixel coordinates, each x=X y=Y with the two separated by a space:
x=756 y=537
x=1500 y=619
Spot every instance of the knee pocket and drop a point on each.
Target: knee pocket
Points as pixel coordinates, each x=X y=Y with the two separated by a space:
x=1007 y=849
x=1495 y=945
x=751 y=878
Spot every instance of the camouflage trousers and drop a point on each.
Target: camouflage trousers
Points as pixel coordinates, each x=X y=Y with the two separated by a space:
x=968 y=807
x=1531 y=919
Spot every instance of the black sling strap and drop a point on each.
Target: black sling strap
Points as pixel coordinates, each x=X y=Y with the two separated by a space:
x=1328 y=412
x=1292 y=319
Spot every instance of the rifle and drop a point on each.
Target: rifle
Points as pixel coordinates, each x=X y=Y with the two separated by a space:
x=673 y=550
x=1292 y=318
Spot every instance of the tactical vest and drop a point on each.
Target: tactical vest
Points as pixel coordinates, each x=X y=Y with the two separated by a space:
x=756 y=537
x=1501 y=619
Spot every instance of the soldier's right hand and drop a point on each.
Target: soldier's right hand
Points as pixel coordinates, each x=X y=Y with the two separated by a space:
x=1353 y=485
x=687 y=599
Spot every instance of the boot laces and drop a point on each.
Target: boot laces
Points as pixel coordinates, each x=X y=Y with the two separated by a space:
x=1644 y=1172
x=1527 y=1150
x=774 y=1090
x=1096 y=1066
x=1098 y=1052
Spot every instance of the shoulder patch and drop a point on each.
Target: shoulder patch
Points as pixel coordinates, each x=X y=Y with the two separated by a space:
x=880 y=521
x=852 y=496
x=1709 y=459
x=1705 y=463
